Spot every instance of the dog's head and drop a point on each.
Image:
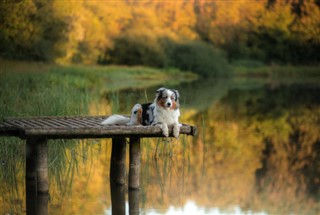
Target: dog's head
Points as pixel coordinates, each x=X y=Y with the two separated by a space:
x=167 y=98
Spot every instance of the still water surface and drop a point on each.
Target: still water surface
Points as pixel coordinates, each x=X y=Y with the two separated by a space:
x=257 y=152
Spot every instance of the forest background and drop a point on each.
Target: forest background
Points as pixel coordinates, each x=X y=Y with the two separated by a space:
x=257 y=130
x=197 y=35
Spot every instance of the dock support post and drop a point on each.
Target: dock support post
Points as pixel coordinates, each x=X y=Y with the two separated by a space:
x=31 y=166
x=118 y=161
x=42 y=166
x=134 y=169
x=134 y=196
x=37 y=165
x=37 y=186
x=118 y=199
x=31 y=176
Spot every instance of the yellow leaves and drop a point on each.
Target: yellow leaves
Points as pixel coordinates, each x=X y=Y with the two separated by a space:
x=230 y=17
x=89 y=28
x=14 y=23
x=309 y=23
x=279 y=17
x=228 y=12
x=92 y=26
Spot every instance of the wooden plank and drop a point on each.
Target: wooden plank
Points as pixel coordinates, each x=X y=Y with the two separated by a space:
x=106 y=132
x=15 y=123
x=93 y=120
x=84 y=123
x=62 y=123
x=78 y=127
x=6 y=124
x=45 y=123
x=33 y=123
x=25 y=123
x=55 y=117
x=49 y=123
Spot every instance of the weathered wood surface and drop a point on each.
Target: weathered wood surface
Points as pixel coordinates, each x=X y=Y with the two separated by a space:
x=134 y=168
x=42 y=166
x=37 y=164
x=37 y=130
x=78 y=127
x=118 y=161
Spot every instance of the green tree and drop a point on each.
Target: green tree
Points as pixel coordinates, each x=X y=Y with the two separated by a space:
x=19 y=28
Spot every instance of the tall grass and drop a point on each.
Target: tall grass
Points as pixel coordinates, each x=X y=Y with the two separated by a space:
x=37 y=94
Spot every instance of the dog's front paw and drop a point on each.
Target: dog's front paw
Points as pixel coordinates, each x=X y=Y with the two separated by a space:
x=165 y=131
x=176 y=131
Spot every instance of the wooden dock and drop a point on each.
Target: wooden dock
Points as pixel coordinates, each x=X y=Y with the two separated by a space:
x=37 y=130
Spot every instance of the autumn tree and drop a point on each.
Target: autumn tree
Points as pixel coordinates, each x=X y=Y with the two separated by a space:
x=90 y=31
x=19 y=28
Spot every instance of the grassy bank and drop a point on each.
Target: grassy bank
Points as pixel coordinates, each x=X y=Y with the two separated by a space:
x=106 y=77
x=45 y=89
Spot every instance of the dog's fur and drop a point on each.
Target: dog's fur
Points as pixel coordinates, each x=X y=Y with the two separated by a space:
x=135 y=118
x=163 y=112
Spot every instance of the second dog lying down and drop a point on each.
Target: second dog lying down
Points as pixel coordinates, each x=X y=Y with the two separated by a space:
x=163 y=112
x=135 y=118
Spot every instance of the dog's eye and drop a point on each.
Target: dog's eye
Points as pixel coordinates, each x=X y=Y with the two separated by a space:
x=172 y=97
x=135 y=112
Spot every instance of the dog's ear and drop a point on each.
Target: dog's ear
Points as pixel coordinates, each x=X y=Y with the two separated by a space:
x=177 y=95
x=160 y=91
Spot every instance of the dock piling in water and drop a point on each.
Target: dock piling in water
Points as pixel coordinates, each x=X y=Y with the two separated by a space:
x=134 y=168
x=37 y=130
x=118 y=161
x=42 y=166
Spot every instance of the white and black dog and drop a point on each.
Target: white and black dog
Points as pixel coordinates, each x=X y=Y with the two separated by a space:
x=163 y=112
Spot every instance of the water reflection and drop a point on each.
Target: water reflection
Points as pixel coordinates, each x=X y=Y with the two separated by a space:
x=258 y=149
x=257 y=152
x=134 y=200
x=118 y=199
x=191 y=208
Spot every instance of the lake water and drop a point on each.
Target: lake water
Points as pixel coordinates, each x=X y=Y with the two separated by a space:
x=257 y=152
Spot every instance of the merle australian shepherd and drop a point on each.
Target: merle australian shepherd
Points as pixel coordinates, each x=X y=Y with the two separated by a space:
x=163 y=112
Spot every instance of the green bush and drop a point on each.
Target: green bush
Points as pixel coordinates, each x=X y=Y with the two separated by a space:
x=137 y=48
x=201 y=58
x=148 y=49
